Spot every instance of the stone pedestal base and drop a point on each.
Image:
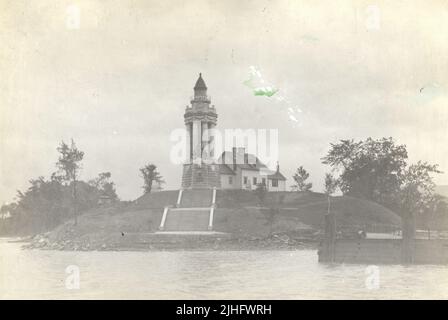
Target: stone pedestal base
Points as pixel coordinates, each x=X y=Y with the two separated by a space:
x=204 y=176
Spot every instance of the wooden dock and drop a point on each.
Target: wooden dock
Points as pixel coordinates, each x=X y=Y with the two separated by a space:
x=387 y=250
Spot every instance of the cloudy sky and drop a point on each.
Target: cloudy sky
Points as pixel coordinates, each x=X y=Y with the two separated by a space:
x=117 y=81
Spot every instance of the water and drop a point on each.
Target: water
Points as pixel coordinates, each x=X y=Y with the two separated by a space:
x=39 y=274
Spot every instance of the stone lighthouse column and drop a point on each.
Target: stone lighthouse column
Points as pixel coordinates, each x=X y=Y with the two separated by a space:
x=199 y=173
x=188 y=143
x=197 y=132
x=205 y=141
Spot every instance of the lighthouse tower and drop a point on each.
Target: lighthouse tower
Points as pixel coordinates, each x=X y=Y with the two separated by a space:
x=199 y=172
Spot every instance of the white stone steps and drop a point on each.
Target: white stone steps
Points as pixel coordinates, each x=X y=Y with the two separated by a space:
x=193 y=212
x=190 y=209
x=206 y=233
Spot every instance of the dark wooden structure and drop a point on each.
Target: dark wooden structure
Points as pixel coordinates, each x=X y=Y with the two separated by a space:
x=407 y=250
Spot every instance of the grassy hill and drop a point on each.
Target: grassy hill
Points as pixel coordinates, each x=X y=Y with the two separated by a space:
x=238 y=212
x=310 y=207
x=302 y=211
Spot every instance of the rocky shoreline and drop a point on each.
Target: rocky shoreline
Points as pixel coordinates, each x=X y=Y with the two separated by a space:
x=153 y=241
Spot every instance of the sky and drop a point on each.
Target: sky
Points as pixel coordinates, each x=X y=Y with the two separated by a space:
x=116 y=77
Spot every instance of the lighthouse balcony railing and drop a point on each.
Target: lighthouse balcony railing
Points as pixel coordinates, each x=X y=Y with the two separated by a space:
x=189 y=107
x=201 y=98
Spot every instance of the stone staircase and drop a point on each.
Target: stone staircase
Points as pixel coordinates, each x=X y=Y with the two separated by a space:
x=193 y=212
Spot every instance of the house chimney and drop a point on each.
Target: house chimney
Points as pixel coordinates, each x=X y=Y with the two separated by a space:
x=234 y=158
x=240 y=155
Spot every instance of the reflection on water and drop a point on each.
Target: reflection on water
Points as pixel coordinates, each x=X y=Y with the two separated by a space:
x=207 y=275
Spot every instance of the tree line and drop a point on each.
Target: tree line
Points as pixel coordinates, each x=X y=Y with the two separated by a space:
x=378 y=170
x=48 y=202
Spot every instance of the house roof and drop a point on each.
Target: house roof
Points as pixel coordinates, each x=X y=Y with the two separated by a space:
x=225 y=169
x=253 y=164
x=277 y=175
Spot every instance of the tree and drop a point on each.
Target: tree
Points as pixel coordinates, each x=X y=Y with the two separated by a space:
x=370 y=169
x=69 y=164
x=416 y=194
x=99 y=181
x=300 y=178
x=329 y=188
x=434 y=208
x=5 y=211
x=377 y=170
x=440 y=216
x=104 y=185
x=47 y=203
x=41 y=207
x=150 y=174
x=5 y=221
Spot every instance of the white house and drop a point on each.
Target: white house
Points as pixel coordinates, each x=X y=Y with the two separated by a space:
x=240 y=170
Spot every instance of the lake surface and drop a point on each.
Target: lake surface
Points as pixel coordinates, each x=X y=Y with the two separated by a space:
x=39 y=274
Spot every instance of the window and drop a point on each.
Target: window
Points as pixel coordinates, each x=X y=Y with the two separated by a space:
x=245 y=180
x=274 y=182
x=230 y=180
x=263 y=181
x=255 y=181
